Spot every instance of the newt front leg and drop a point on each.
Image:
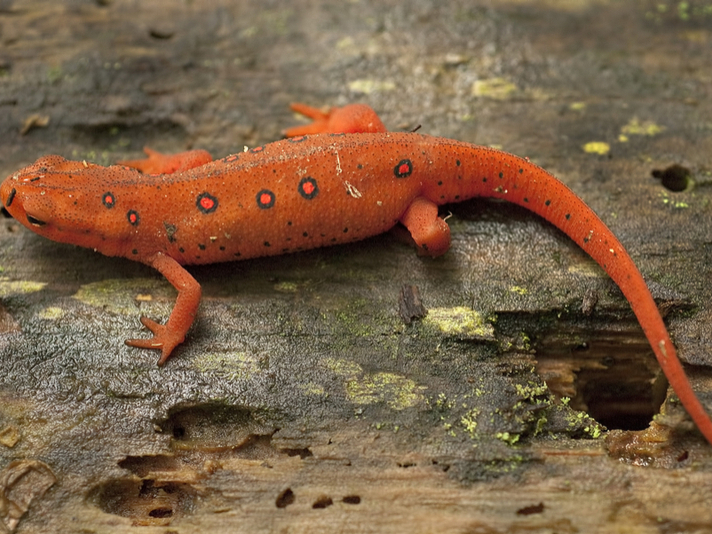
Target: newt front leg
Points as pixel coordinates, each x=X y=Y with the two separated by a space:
x=167 y=337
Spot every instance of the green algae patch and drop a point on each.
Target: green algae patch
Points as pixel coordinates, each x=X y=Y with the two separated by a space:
x=519 y=290
x=228 y=365
x=370 y=86
x=677 y=204
x=9 y=287
x=637 y=127
x=352 y=322
x=312 y=388
x=51 y=313
x=395 y=390
x=286 y=287
x=460 y=321
x=343 y=368
x=121 y=296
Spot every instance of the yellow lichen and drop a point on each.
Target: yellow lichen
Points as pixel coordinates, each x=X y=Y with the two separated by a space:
x=495 y=88
x=8 y=287
x=459 y=321
x=597 y=147
x=396 y=391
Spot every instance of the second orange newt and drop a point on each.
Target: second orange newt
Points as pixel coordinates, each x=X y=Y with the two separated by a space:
x=340 y=179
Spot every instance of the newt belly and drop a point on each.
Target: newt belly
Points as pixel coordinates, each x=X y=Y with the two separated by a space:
x=304 y=192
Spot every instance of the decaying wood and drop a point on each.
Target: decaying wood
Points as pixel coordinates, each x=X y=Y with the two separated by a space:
x=302 y=400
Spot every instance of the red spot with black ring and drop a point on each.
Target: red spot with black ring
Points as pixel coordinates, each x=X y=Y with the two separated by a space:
x=206 y=203
x=308 y=188
x=108 y=199
x=133 y=217
x=403 y=169
x=265 y=199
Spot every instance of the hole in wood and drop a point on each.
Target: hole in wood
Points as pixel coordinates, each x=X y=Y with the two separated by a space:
x=161 y=512
x=611 y=375
x=285 y=498
x=322 y=502
x=217 y=427
x=302 y=453
x=146 y=502
x=674 y=178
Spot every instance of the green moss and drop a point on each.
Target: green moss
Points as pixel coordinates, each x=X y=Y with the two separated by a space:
x=350 y=317
x=469 y=421
x=442 y=402
x=507 y=437
x=530 y=393
x=581 y=420
x=518 y=290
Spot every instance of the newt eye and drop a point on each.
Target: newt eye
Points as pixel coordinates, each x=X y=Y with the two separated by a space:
x=34 y=222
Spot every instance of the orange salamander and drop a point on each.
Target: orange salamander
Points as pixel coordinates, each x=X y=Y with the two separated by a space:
x=340 y=179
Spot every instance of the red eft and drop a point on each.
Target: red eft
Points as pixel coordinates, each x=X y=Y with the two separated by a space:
x=339 y=179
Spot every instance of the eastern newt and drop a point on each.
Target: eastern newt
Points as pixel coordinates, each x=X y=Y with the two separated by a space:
x=340 y=179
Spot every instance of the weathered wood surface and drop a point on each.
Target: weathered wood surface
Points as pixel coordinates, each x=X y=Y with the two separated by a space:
x=301 y=401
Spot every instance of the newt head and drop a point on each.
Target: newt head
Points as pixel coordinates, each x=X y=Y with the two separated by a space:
x=56 y=198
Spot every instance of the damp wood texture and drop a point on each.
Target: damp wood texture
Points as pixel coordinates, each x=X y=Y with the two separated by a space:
x=314 y=392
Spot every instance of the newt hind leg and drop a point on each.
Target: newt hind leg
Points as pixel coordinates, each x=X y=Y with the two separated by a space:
x=157 y=163
x=354 y=118
x=430 y=232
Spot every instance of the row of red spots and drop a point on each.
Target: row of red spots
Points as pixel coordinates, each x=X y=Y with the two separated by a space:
x=308 y=189
x=205 y=202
